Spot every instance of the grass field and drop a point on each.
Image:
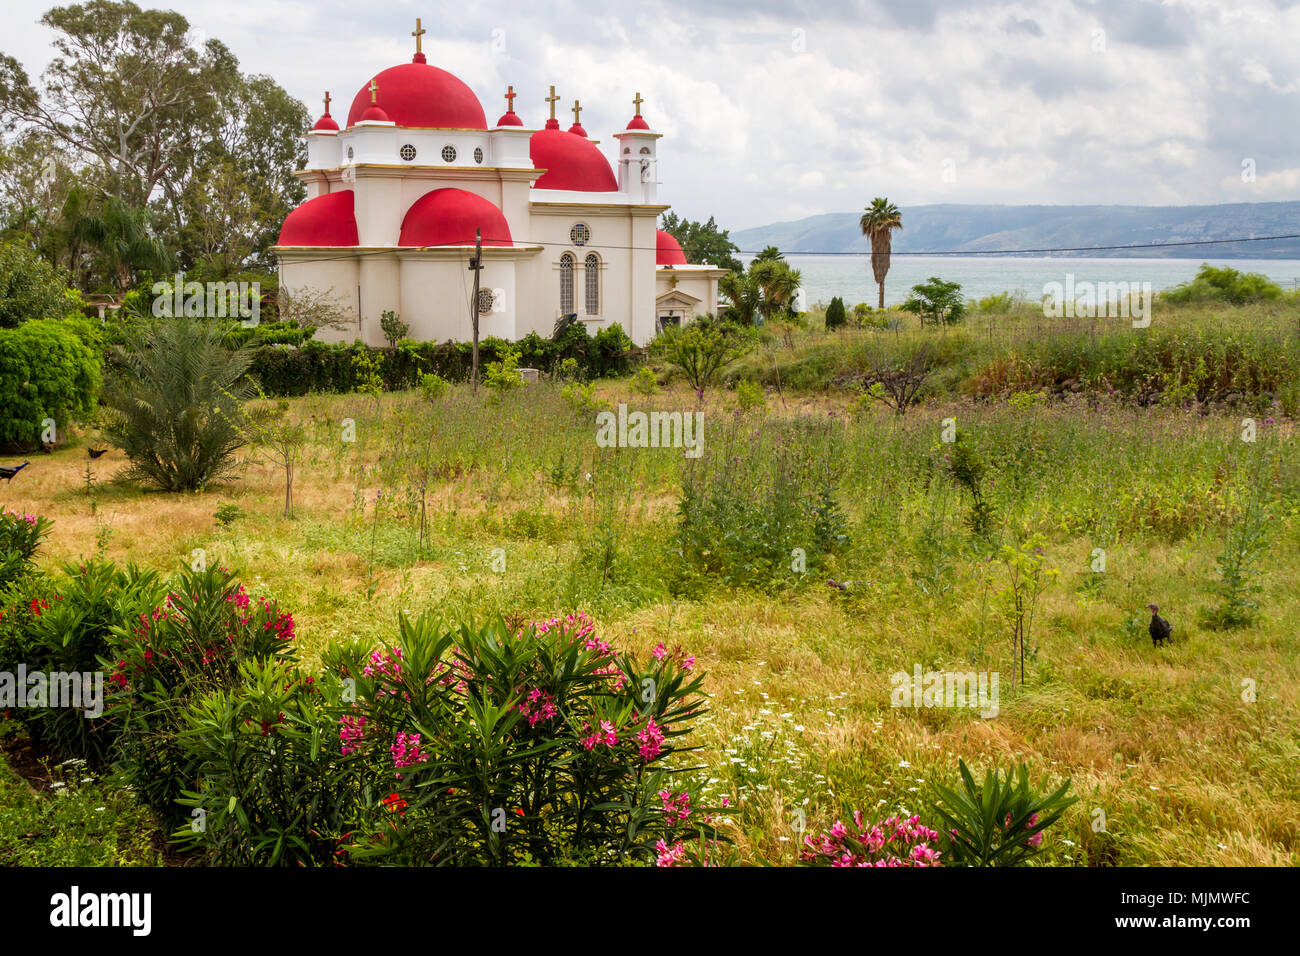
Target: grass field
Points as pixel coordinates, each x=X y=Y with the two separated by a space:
x=470 y=508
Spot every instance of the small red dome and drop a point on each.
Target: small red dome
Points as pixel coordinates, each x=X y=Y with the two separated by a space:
x=416 y=94
x=571 y=162
x=374 y=115
x=668 y=251
x=577 y=130
x=328 y=220
x=448 y=217
x=326 y=122
x=510 y=118
x=638 y=122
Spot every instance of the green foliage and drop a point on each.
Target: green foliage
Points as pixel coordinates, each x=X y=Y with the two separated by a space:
x=965 y=466
x=1213 y=284
x=703 y=242
x=702 y=349
x=998 y=822
x=31 y=288
x=644 y=381
x=1027 y=577
x=433 y=386
x=503 y=375
x=20 y=538
x=759 y=511
x=749 y=396
x=46 y=371
x=394 y=329
x=176 y=393
x=1246 y=545
x=227 y=514
x=937 y=301
x=835 y=314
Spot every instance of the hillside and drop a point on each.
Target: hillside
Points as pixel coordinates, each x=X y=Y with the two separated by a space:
x=973 y=228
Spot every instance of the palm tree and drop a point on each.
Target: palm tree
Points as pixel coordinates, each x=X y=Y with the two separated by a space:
x=744 y=294
x=769 y=254
x=878 y=222
x=122 y=236
x=779 y=285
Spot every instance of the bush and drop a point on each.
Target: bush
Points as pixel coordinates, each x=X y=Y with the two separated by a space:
x=31 y=289
x=702 y=349
x=503 y=375
x=20 y=537
x=46 y=371
x=1225 y=284
x=835 y=314
x=177 y=396
x=501 y=744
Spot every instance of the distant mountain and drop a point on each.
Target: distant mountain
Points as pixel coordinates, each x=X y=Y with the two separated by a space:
x=950 y=227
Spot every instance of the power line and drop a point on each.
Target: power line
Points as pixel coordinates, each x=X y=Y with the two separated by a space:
x=749 y=252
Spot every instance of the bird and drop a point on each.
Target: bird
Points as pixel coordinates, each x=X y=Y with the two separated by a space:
x=47 y=447
x=7 y=472
x=1160 y=629
x=96 y=452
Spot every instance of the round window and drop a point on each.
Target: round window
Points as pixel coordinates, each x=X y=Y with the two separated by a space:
x=486 y=299
x=579 y=234
x=478 y=154
x=449 y=154
x=645 y=150
x=350 y=153
x=407 y=152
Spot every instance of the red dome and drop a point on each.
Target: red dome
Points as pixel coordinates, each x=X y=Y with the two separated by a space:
x=638 y=122
x=448 y=217
x=571 y=162
x=510 y=118
x=373 y=114
x=668 y=251
x=326 y=122
x=328 y=220
x=416 y=94
x=577 y=130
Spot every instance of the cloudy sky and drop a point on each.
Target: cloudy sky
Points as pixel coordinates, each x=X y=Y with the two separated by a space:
x=778 y=110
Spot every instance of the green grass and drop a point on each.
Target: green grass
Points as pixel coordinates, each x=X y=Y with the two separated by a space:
x=1160 y=742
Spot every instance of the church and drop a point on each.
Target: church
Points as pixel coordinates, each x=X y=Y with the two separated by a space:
x=400 y=194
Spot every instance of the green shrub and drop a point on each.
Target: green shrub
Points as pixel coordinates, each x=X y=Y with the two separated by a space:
x=998 y=822
x=503 y=375
x=433 y=386
x=644 y=381
x=394 y=329
x=702 y=349
x=177 y=395
x=835 y=314
x=31 y=289
x=46 y=372
x=20 y=537
x=1212 y=284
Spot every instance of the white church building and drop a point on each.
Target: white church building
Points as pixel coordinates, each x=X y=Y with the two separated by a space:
x=397 y=195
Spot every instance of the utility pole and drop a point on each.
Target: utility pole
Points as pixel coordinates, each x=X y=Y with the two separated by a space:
x=476 y=266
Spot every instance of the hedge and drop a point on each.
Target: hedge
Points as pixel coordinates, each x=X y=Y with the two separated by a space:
x=46 y=371
x=320 y=367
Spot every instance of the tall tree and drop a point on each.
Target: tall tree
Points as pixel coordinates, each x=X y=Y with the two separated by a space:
x=878 y=223
x=125 y=243
x=703 y=242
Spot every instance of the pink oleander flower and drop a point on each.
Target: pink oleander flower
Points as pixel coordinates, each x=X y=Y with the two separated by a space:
x=676 y=808
x=406 y=751
x=351 y=733
x=652 y=739
x=669 y=855
x=660 y=652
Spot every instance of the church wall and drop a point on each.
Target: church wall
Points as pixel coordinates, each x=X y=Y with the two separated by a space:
x=436 y=293
x=337 y=278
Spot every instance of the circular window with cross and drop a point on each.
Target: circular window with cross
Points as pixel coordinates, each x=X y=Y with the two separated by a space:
x=478 y=154
x=449 y=154
x=407 y=152
x=486 y=300
x=580 y=234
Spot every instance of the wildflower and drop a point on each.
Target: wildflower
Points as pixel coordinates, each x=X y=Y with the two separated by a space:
x=669 y=855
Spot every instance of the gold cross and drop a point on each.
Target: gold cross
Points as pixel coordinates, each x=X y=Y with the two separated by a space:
x=418 y=32
x=510 y=98
x=637 y=102
x=327 y=102
x=552 y=99
x=374 y=92
x=576 y=110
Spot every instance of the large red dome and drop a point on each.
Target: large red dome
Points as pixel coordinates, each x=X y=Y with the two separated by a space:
x=328 y=220
x=448 y=217
x=420 y=95
x=668 y=251
x=571 y=162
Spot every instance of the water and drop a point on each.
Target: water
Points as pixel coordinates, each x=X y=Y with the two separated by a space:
x=850 y=276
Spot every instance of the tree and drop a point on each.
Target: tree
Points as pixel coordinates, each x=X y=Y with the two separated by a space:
x=703 y=349
x=940 y=301
x=779 y=285
x=268 y=426
x=31 y=288
x=835 y=314
x=394 y=329
x=123 y=240
x=744 y=295
x=878 y=223
x=769 y=254
x=177 y=404
x=703 y=242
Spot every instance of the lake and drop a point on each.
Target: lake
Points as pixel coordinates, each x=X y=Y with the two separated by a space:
x=850 y=276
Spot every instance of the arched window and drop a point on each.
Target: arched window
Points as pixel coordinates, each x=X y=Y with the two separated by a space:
x=591 y=284
x=566 y=283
